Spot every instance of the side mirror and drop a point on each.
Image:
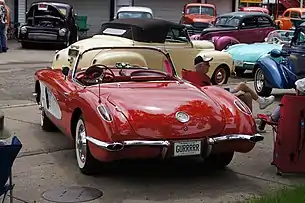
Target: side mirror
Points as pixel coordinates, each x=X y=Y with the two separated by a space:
x=182 y=12
x=275 y=53
x=65 y=71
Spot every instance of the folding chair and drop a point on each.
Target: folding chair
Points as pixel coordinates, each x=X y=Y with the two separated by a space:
x=8 y=154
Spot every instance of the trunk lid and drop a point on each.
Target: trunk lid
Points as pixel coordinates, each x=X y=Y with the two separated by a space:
x=151 y=109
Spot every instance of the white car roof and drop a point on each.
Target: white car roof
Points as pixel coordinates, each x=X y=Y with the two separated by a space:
x=135 y=8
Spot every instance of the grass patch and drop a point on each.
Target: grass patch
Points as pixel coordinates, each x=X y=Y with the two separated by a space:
x=295 y=194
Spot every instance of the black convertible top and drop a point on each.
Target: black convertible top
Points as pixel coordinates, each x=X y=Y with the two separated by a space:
x=143 y=30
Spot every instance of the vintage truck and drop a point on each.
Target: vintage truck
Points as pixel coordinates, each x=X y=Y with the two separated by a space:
x=198 y=16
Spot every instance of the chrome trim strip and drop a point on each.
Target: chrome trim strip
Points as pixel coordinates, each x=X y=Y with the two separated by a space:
x=117 y=146
x=252 y=138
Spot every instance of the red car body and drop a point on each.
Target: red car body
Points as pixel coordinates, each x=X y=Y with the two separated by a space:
x=237 y=27
x=143 y=121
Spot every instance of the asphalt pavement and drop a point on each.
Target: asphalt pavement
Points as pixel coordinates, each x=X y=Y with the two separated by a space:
x=47 y=160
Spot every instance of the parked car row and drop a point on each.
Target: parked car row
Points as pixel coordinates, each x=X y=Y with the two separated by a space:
x=237 y=41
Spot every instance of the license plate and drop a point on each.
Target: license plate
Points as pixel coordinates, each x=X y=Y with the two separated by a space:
x=238 y=63
x=187 y=148
x=42 y=7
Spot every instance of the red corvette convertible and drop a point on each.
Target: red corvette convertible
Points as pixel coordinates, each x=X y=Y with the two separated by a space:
x=127 y=102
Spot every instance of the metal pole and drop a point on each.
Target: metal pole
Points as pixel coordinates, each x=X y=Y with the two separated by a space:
x=301 y=3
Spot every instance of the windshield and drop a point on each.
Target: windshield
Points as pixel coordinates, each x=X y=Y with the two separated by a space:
x=200 y=10
x=133 y=14
x=227 y=21
x=149 y=62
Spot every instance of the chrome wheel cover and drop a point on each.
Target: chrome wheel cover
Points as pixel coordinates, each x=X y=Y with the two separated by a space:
x=259 y=80
x=81 y=144
x=220 y=76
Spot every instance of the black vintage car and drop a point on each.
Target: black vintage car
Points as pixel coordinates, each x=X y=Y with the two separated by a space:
x=48 y=22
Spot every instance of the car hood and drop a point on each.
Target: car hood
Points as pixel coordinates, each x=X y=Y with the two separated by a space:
x=151 y=107
x=251 y=52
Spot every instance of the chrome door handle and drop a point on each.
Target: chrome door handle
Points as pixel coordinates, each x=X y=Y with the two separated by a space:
x=66 y=93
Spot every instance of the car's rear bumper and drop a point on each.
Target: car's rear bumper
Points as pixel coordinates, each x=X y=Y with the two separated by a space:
x=109 y=151
x=244 y=65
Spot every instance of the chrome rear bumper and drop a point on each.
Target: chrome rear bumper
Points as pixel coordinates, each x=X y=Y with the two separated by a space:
x=117 y=146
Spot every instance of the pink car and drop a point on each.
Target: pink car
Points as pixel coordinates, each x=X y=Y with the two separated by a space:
x=237 y=27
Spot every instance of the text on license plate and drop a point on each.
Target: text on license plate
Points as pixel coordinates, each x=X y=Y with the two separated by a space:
x=187 y=148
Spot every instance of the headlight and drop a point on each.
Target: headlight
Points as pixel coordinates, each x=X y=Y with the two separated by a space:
x=62 y=32
x=104 y=112
x=23 y=30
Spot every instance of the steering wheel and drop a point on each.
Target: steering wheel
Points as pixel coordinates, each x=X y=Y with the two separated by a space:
x=98 y=71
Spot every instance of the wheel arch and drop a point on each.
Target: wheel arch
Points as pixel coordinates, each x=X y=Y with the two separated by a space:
x=255 y=67
x=74 y=118
x=37 y=91
x=227 y=69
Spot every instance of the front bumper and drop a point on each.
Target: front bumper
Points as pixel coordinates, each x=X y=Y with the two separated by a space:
x=243 y=65
x=42 y=38
x=166 y=144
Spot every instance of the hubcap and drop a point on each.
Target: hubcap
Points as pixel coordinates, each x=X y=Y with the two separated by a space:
x=81 y=143
x=220 y=76
x=259 y=80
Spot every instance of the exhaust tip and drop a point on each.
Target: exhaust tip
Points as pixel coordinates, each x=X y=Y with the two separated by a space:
x=115 y=147
x=256 y=138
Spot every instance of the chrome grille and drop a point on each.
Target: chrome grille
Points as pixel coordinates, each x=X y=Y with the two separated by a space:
x=42 y=36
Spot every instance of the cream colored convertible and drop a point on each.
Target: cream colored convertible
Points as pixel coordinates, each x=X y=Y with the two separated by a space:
x=171 y=37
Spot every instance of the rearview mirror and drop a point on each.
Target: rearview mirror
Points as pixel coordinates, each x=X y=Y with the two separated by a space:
x=65 y=71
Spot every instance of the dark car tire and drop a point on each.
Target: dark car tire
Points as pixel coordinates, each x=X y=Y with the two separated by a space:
x=46 y=124
x=89 y=165
x=240 y=72
x=25 y=45
x=224 y=71
x=260 y=84
x=219 y=161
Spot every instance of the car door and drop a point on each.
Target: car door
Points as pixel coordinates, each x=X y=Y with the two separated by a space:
x=180 y=48
x=265 y=26
x=248 y=30
x=56 y=100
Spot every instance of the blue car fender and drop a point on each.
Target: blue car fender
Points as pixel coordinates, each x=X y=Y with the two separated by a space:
x=272 y=72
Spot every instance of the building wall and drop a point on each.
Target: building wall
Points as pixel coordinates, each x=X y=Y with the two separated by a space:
x=98 y=11
x=222 y=6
